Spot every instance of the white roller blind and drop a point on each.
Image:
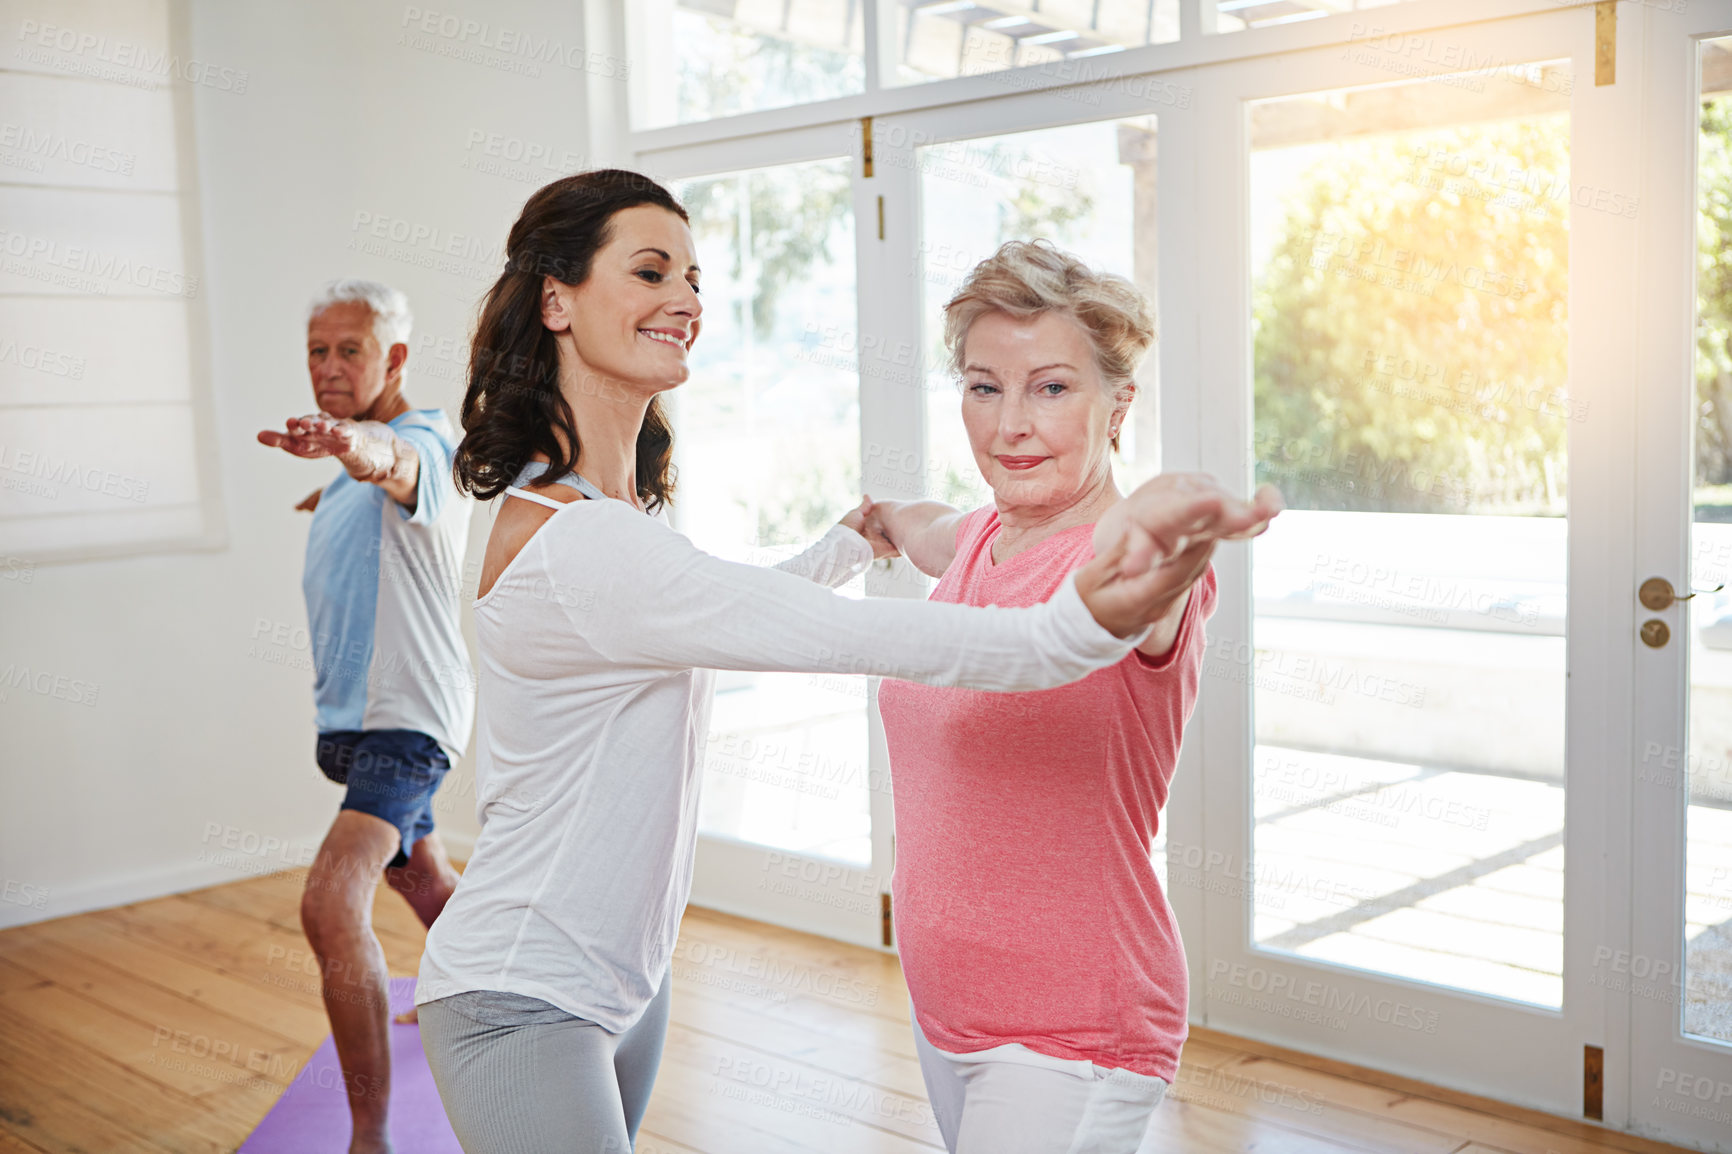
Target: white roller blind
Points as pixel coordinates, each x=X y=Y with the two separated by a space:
x=102 y=448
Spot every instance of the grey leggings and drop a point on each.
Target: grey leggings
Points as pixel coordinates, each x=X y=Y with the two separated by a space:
x=519 y=1076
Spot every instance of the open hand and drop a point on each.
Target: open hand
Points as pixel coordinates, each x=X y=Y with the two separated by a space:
x=364 y=455
x=315 y=435
x=1151 y=546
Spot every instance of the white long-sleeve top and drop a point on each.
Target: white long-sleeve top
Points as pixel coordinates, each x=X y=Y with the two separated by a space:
x=598 y=645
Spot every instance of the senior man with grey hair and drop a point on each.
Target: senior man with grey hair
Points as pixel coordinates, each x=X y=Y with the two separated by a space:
x=393 y=683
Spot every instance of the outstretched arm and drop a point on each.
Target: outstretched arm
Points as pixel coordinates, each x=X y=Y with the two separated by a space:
x=370 y=450
x=645 y=596
x=922 y=531
x=1163 y=536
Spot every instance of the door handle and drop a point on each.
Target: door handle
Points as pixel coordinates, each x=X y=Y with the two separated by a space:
x=1656 y=593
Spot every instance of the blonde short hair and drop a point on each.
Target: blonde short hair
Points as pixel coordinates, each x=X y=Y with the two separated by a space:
x=1027 y=278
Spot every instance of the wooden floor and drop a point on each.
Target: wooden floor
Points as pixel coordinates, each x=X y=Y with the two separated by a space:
x=173 y=1025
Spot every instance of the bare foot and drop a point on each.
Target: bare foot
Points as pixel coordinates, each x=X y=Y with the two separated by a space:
x=407 y=1017
x=370 y=1146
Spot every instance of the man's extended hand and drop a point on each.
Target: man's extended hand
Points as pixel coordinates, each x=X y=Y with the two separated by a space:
x=370 y=450
x=1150 y=547
x=366 y=456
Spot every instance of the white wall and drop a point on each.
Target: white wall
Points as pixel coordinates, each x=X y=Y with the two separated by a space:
x=199 y=724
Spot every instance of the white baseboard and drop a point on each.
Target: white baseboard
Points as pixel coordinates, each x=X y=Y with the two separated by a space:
x=123 y=890
x=144 y=885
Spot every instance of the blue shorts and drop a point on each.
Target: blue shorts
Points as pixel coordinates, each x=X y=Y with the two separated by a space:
x=391 y=774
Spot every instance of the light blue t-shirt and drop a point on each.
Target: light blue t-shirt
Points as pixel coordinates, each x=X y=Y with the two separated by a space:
x=384 y=598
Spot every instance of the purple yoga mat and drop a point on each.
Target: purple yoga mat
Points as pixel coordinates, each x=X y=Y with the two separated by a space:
x=312 y=1116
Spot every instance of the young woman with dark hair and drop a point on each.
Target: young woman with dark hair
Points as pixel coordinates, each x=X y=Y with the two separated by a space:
x=544 y=986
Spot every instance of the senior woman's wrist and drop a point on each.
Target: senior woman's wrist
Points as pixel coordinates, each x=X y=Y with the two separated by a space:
x=890 y=515
x=1125 y=621
x=1164 y=629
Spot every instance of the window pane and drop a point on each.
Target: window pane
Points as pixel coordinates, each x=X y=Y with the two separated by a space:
x=1410 y=268
x=1088 y=188
x=768 y=446
x=1707 y=1009
x=706 y=58
x=943 y=40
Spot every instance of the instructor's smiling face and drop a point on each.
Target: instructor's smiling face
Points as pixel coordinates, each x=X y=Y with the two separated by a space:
x=1038 y=413
x=635 y=317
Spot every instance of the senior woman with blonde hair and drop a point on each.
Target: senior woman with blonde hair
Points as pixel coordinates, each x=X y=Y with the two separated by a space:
x=1044 y=964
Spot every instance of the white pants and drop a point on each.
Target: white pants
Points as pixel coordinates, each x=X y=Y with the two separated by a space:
x=1011 y=1100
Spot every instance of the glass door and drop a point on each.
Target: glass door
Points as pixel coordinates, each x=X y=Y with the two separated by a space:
x=1079 y=170
x=767 y=443
x=1677 y=971
x=1090 y=188
x=1399 y=712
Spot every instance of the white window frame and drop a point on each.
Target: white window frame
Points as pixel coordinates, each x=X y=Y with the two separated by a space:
x=1194 y=48
x=1667 y=1066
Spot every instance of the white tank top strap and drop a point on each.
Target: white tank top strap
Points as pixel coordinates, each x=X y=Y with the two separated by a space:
x=536 y=468
x=514 y=491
